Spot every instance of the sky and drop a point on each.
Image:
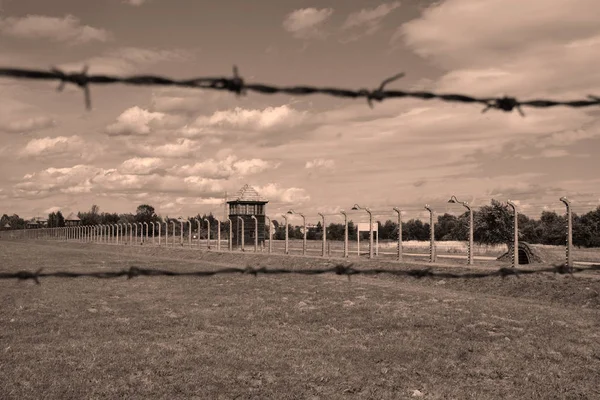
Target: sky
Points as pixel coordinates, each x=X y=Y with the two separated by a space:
x=183 y=150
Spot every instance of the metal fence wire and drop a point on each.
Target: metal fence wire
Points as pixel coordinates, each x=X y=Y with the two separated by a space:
x=236 y=84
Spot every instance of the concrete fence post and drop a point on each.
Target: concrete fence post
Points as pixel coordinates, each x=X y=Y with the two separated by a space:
x=324 y=238
x=515 y=253
x=399 y=212
x=255 y=233
x=345 y=233
x=432 y=234
x=569 y=247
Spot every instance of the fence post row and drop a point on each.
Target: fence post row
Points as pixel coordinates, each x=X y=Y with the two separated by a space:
x=115 y=233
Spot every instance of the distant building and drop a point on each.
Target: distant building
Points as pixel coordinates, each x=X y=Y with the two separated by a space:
x=37 y=222
x=6 y=226
x=246 y=203
x=72 y=220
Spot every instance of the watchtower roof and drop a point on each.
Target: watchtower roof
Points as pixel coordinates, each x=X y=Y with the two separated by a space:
x=248 y=194
x=72 y=217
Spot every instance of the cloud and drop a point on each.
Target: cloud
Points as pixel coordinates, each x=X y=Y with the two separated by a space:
x=25 y=124
x=368 y=21
x=256 y=120
x=320 y=163
x=135 y=3
x=180 y=148
x=67 y=29
x=223 y=169
x=141 y=166
x=127 y=60
x=307 y=23
x=126 y=180
x=53 y=146
x=134 y=121
x=274 y=193
x=521 y=48
x=189 y=101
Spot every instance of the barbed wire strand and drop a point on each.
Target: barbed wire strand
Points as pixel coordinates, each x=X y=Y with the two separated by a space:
x=338 y=269
x=237 y=85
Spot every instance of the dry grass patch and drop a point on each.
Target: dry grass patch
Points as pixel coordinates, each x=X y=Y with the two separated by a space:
x=280 y=337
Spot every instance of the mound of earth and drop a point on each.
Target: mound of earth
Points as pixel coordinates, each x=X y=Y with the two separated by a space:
x=528 y=254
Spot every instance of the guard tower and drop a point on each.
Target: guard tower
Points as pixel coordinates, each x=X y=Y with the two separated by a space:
x=72 y=220
x=246 y=203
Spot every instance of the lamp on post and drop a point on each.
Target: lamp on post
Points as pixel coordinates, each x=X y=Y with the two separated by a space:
x=242 y=221
x=324 y=235
x=255 y=233
x=357 y=207
x=569 y=250
x=304 y=226
x=515 y=255
x=345 y=233
x=432 y=234
x=454 y=200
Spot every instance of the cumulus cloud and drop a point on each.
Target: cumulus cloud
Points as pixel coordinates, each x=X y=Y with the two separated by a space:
x=126 y=180
x=180 y=148
x=320 y=163
x=223 y=169
x=307 y=23
x=135 y=3
x=274 y=193
x=141 y=166
x=127 y=60
x=134 y=121
x=524 y=49
x=25 y=124
x=56 y=146
x=66 y=29
x=368 y=21
x=245 y=119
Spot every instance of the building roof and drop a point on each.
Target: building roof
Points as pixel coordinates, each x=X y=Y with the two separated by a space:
x=72 y=217
x=7 y=225
x=248 y=193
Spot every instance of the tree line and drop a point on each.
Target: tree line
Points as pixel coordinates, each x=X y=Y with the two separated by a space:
x=493 y=224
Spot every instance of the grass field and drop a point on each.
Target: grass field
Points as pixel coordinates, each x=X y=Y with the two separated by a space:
x=288 y=337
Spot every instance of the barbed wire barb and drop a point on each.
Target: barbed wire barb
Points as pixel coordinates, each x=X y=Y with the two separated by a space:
x=239 y=86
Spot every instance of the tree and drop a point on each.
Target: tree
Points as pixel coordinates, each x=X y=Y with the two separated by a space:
x=91 y=217
x=446 y=227
x=415 y=229
x=146 y=213
x=16 y=222
x=388 y=230
x=553 y=228
x=59 y=219
x=493 y=224
x=52 y=220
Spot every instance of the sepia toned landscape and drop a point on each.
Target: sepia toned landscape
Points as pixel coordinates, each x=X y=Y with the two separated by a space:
x=292 y=200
